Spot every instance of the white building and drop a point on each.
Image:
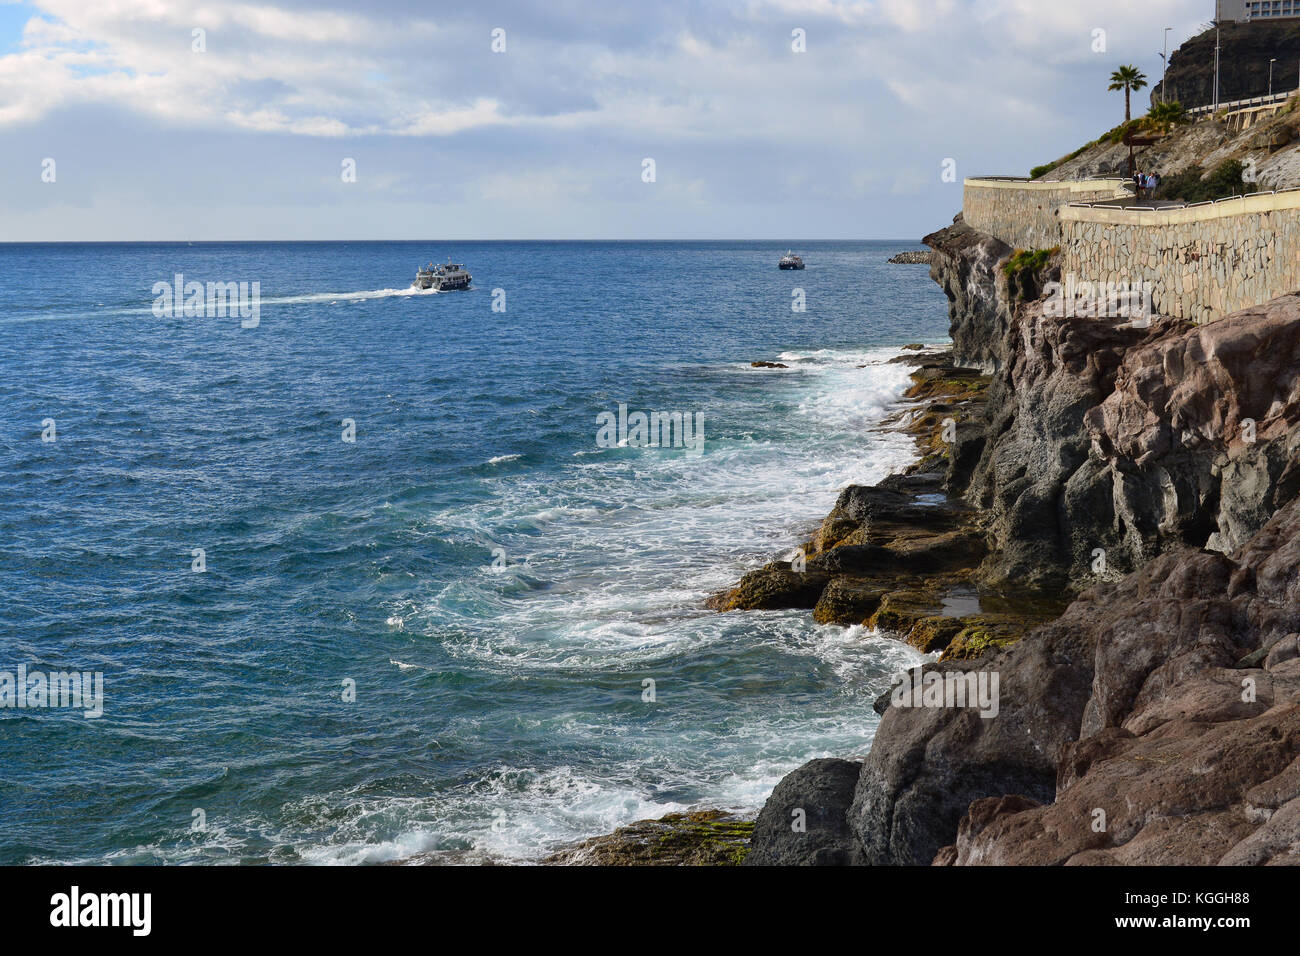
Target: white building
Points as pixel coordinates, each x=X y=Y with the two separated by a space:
x=1252 y=10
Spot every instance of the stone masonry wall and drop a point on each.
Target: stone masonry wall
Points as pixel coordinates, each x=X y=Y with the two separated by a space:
x=1203 y=262
x=1024 y=214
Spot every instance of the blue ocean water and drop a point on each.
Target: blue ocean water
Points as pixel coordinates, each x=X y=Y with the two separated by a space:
x=497 y=588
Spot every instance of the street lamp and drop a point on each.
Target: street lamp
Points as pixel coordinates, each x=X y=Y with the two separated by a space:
x=1216 y=55
x=1270 y=75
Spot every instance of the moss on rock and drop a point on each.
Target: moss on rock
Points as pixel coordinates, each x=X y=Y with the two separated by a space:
x=700 y=838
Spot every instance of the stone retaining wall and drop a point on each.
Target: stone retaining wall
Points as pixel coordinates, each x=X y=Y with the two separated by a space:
x=1203 y=262
x=1024 y=214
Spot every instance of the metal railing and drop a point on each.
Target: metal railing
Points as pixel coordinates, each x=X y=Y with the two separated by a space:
x=1186 y=205
x=1237 y=105
x=1046 y=182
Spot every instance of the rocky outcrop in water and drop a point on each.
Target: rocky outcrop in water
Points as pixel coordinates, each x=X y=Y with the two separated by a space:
x=700 y=838
x=901 y=556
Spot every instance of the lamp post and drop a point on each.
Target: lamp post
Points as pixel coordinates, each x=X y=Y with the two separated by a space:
x=1216 y=56
x=1270 y=75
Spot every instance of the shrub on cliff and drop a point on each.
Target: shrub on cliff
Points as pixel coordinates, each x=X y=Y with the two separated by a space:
x=1163 y=117
x=1022 y=269
x=1026 y=259
x=1192 y=185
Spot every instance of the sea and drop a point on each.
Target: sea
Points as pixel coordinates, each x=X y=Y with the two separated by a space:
x=361 y=582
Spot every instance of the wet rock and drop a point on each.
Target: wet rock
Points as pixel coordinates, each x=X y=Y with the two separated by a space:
x=773 y=588
x=927 y=765
x=702 y=838
x=932 y=634
x=1191 y=759
x=805 y=822
x=900 y=611
x=848 y=601
x=767 y=365
x=986 y=634
x=916 y=358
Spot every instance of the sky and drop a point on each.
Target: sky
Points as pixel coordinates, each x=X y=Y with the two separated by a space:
x=210 y=120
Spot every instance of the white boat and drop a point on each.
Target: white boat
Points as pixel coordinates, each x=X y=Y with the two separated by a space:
x=442 y=277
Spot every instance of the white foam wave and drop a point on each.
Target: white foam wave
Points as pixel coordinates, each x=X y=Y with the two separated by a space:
x=667 y=530
x=620 y=553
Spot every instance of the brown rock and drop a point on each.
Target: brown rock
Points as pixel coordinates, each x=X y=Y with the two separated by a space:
x=700 y=838
x=848 y=601
x=772 y=588
x=1191 y=760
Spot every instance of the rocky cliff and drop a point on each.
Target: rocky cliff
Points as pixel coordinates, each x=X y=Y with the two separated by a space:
x=1267 y=145
x=1269 y=149
x=1243 y=67
x=1150 y=472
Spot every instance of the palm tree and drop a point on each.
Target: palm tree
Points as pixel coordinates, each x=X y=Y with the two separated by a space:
x=1128 y=79
x=1165 y=116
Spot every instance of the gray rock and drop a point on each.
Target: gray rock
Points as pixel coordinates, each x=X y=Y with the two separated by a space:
x=1284 y=650
x=927 y=765
x=823 y=790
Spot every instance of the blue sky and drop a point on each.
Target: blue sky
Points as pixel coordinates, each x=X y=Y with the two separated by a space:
x=247 y=137
x=13 y=16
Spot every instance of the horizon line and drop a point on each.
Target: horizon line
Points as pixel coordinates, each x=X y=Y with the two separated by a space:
x=181 y=242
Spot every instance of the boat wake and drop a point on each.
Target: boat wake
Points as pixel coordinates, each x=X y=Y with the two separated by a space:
x=310 y=298
x=334 y=297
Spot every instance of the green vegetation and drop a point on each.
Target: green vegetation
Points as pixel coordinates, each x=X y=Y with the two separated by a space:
x=1028 y=260
x=1163 y=117
x=1128 y=79
x=1189 y=186
x=1117 y=134
x=1022 y=270
x=703 y=841
x=974 y=642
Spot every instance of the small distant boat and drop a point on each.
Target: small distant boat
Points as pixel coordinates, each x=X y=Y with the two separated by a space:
x=790 y=261
x=442 y=277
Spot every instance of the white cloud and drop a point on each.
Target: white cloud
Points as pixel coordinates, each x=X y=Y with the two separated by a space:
x=736 y=119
